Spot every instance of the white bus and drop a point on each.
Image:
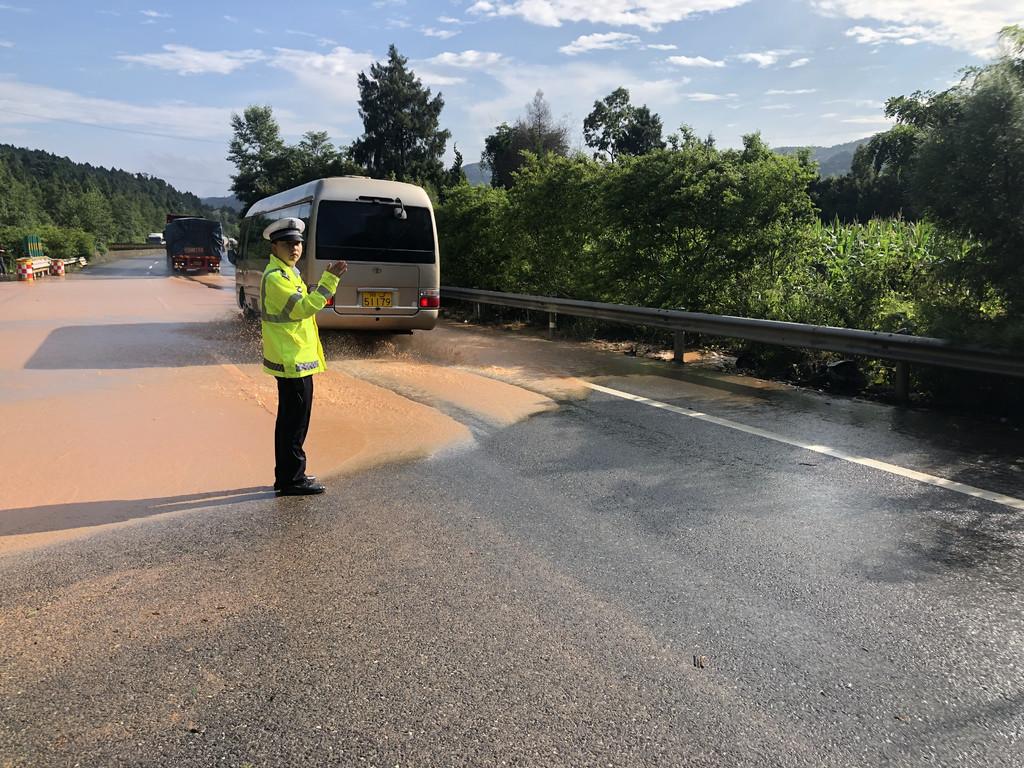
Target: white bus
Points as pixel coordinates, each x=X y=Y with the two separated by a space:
x=384 y=230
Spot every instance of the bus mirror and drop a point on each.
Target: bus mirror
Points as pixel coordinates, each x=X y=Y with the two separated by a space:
x=400 y=209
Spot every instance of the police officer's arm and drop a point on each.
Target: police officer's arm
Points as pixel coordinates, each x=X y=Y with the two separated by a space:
x=285 y=304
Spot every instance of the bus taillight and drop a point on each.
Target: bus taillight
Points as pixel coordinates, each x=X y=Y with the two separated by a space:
x=430 y=299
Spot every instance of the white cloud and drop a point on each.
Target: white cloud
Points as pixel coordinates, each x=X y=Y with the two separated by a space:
x=763 y=59
x=191 y=61
x=326 y=42
x=966 y=25
x=709 y=96
x=31 y=103
x=155 y=14
x=232 y=19
x=330 y=76
x=792 y=92
x=662 y=46
x=449 y=20
x=6 y=44
x=442 y=34
x=694 y=61
x=868 y=120
x=864 y=103
x=648 y=14
x=798 y=63
x=901 y=35
x=14 y=8
x=601 y=41
x=829 y=115
x=436 y=79
x=777 y=106
x=468 y=59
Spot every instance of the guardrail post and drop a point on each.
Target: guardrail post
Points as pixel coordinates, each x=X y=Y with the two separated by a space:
x=902 y=381
x=476 y=310
x=552 y=323
x=678 y=346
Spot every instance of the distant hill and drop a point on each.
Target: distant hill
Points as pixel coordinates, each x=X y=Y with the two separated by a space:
x=40 y=188
x=230 y=201
x=832 y=161
x=476 y=175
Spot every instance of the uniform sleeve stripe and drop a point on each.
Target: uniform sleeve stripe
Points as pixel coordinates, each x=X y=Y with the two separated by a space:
x=285 y=315
x=294 y=299
x=324 y=291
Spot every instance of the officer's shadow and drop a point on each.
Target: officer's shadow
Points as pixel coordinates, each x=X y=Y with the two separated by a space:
x=61 y=517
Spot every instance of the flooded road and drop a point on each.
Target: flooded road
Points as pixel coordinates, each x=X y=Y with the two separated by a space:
x=510 y=566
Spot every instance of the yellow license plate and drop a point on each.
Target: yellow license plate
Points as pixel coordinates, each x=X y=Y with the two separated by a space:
x=376 y=298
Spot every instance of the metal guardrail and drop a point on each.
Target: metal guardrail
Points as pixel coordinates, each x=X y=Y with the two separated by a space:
x=134 y=246
x=884 y=346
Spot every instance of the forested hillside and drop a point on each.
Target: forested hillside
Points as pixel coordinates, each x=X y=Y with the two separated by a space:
x=832 y=161
x=77 y=207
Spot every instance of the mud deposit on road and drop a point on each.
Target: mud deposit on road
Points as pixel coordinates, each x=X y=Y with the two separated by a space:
x=126 y=398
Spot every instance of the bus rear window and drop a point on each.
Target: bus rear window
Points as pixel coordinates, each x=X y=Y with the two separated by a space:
x=358 y=231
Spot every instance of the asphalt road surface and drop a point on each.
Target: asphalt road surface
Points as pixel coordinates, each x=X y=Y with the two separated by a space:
x=609 y=583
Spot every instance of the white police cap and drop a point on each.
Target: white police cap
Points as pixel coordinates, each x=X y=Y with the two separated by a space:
x=285 y=229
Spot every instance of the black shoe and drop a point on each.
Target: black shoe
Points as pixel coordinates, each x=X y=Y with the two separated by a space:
x=305 y=479
x=305 y=488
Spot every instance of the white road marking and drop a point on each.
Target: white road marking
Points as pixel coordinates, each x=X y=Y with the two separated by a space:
x=884 y=466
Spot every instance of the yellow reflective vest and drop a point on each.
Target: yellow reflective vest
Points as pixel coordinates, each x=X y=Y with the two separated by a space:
x=291 y=342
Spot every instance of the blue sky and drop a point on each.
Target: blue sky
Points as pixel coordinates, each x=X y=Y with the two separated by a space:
x=150 y=85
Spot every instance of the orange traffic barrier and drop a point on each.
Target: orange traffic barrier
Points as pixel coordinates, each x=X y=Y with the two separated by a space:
x=25 y=269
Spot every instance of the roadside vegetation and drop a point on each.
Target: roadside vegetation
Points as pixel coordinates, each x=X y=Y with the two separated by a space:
x=77 y=209
x=923 y=236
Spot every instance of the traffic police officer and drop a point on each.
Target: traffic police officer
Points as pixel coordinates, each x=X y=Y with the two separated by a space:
x=291 y=349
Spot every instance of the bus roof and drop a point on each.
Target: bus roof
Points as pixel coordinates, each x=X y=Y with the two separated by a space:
x=343 y=188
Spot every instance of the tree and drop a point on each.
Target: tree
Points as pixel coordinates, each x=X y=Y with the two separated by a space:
x=615 y=127
x=454 y=177
x=316 y=151
x=18 y=205
x=499 y=157
x=256 y=148
x=967 y=170
x=537 y=133
x=314 y=157
x=878 y=184
x=401 y=137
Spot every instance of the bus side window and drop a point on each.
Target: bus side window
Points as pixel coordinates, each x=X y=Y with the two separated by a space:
x=253 y=247
x=243 y=232
x=256 y=248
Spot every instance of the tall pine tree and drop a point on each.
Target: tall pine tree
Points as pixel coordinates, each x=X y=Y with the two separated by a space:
x=401 y=138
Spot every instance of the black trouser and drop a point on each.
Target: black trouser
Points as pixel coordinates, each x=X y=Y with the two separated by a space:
x=294 y=405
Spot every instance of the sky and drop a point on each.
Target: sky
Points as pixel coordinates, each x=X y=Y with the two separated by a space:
x=149 y=86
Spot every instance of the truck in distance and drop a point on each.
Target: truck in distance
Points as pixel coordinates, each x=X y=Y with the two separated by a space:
x=193 y=244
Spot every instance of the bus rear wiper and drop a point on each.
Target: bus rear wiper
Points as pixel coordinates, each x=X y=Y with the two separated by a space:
x=396 y=202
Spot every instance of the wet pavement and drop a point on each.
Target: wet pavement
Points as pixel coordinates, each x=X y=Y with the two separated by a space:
x=578 y=580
